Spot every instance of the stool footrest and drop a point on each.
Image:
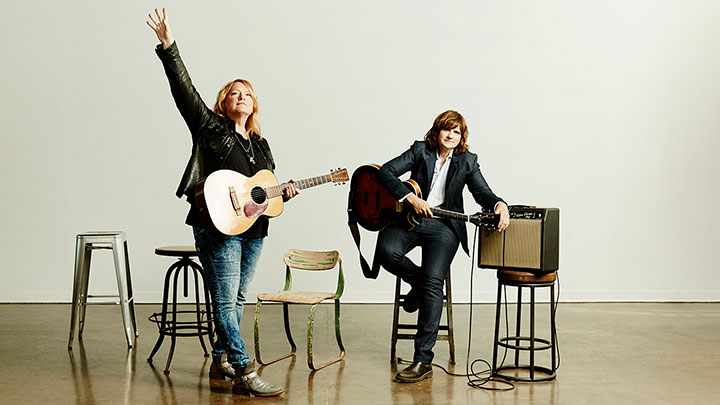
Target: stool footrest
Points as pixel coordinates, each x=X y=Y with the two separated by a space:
x=504 y=343
x=414 y=327
x=548 y=374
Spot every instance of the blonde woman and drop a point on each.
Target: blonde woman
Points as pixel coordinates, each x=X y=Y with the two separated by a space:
x=226 y=137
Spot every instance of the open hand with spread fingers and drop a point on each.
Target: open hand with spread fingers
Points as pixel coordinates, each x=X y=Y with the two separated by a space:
x=161 y=26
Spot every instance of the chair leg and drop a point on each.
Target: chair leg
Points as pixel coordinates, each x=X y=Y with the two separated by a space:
x=198 y=313
x=494 y=370
x=518 y=322
x=130 y=290
x=84 y=281
x=337 y=329
x=532 y=333
x=451 y=331
x=173 y=322
x=396 y=319
x=553 y=332
x=311 y=324
x=118 y=249
x=286 y=317
x=79 y=260
x=162 y=327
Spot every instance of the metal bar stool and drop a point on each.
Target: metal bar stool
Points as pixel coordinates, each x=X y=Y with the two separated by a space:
x=167 y=321
x=449 y=335
x=523 y=279
x=85 y=243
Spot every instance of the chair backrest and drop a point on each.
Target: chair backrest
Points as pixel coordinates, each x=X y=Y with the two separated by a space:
x=305 y=260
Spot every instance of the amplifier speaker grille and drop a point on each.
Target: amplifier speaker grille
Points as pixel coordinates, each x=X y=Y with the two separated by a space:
x=530 y=244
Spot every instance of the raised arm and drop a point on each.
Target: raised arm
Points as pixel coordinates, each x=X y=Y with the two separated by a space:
x=188 y=101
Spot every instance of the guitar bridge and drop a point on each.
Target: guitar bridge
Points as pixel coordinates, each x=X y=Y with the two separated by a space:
x=235 y=202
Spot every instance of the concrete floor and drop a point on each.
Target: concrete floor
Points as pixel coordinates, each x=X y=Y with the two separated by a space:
x=610 y=354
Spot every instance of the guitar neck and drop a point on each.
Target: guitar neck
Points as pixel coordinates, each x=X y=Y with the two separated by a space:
x=276 y=191
x=442 y=213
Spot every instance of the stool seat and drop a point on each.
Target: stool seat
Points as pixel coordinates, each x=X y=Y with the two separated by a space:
x=176 y=251
x=526 y=277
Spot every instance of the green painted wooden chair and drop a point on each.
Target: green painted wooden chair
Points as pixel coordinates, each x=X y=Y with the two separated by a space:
x=304 y=260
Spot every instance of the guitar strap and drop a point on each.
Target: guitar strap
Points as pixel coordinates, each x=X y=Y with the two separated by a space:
x=368 y=272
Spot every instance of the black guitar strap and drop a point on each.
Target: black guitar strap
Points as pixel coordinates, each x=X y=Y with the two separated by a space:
x=368 y=272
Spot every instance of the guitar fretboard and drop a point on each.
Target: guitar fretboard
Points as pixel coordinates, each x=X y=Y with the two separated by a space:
x=276 y=191
x=439 y=212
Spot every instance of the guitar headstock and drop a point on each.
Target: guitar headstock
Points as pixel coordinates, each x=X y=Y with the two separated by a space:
x=486 y=220
x=339 y=176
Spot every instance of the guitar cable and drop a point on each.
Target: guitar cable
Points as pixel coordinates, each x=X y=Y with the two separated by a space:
x=476 y=379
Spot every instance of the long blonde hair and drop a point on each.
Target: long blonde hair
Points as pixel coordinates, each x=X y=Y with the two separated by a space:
x=252 y=125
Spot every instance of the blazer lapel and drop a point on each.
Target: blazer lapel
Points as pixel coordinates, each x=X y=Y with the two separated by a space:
x=454 y=162
x=429 y=168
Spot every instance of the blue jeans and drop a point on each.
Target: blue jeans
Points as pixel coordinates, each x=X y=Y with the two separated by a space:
x=229 y=264
x=439 y=244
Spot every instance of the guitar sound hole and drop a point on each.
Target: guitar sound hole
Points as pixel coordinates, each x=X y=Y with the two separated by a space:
x=258 y=195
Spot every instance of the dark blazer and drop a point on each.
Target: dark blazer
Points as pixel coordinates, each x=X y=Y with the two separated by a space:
x=463 y=170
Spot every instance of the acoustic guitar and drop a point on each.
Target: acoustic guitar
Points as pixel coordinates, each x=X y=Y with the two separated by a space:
x=374 y=207
x=231 y=202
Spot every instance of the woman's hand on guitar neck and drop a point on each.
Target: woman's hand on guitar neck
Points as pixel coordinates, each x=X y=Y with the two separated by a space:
x=420 y=206
x=290 y=191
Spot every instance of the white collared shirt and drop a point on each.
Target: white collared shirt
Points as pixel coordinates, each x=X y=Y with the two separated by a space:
x=436 y=196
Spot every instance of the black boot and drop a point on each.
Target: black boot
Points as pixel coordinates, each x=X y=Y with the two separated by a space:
x=219 y=369
x=415 y=372
x=247 y=382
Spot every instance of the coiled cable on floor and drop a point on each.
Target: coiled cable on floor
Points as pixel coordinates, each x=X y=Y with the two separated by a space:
x=476 y=378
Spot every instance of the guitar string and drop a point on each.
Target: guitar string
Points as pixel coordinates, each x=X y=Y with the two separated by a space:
x=280 y=187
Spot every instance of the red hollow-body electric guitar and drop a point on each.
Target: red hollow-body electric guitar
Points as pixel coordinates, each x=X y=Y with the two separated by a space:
x=374 y=207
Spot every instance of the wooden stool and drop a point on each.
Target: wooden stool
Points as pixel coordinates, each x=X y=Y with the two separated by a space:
x=448 y=326
x=522 y=279
x=85 y=243
x=167 y=321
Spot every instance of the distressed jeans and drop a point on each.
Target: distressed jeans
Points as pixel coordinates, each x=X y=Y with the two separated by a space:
x=439 y=244
x=229 y=264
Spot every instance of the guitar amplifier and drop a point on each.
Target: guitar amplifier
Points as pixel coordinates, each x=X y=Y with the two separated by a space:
x=530 y=243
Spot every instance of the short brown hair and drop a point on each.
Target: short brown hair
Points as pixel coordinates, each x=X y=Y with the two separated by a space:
x=445 y=121
x=252 y=124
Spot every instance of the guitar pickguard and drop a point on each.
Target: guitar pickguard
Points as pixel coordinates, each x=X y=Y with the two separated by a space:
x=252 y=210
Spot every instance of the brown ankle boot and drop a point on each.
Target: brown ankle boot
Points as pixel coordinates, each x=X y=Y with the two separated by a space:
x=247 y=382
x=219 y=369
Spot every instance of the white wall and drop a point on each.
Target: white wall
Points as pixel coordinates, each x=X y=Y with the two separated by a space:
x=607 y=110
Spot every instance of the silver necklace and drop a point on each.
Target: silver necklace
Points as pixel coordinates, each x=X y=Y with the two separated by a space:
x=249 y=151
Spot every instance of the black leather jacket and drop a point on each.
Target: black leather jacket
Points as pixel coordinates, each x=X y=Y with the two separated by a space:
x=212 y=135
